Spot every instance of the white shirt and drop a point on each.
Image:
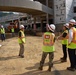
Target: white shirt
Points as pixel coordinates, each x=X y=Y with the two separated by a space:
x=70 y=35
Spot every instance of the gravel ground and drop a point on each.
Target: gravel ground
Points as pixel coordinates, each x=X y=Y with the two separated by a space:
x=12 y=64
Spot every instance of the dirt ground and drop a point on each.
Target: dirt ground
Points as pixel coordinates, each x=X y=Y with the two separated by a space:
x=12 y=64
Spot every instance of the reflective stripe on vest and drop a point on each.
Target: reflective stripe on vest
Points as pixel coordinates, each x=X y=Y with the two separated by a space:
x=48 y=39
x=74 y=35
x=22 y=40
x=2 y=31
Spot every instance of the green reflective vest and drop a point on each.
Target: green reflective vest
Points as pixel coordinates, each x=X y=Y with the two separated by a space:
x=2 y=31
x=65 y=40
x=22 y=38
x=48 y=48
x=12 y=30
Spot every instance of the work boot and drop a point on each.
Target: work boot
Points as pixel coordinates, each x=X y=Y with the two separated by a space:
x=49 y=69
x=40 y=68
x=22 y=56
x=63 y=59
x=70 y=69
x=19 y=55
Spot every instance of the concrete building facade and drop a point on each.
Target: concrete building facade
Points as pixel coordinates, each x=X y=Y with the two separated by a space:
x=51 y=11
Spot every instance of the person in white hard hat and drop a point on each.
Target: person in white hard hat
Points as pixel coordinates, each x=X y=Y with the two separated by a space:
x=21 y=40
x=48 y=47
x=2 y=31
x=64 y=38
x=72 y=45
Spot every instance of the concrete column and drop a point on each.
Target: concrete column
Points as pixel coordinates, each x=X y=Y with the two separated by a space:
x=34 y=27
x=47 y=18
x=41 y=24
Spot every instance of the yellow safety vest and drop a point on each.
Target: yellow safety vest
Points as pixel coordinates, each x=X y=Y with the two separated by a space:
x=72 y=45
x=2 y=30
x=22 y=39
x=48 y=42
x=65 y=40
x=12 y=29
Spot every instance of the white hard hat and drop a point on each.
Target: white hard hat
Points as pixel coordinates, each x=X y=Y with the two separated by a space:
x=51 y=27
x=66 y=25
x=1 y=26
x=72 y=21
x=21 y=26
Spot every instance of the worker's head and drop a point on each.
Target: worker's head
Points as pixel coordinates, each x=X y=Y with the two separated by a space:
x=21 y=27
x=71 y=23
x=1 y=26
x=66 y=26
x=51 y=27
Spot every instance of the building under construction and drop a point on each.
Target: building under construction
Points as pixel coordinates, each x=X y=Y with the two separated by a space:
x=41 y=12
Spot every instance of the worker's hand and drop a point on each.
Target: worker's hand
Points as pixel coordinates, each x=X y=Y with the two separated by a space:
x=57 y=38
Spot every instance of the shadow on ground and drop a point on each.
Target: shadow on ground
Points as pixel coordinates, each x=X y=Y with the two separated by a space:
x=8 y=58
x=55 y=72
x=33 y=70
x=37 y=65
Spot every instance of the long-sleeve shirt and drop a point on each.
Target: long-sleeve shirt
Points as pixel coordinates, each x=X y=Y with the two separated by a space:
x=70 y=35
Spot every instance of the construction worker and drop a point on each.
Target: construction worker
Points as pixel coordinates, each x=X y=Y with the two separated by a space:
x=21 y=40
x=48 y=47
x=75 y=50
x=2 y=31
x=72 y=45
x=64 y=38
x=12 y=30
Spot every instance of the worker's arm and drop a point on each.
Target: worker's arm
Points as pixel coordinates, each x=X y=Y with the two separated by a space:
x=70 y=35
x=62 y=36
x=19 y=34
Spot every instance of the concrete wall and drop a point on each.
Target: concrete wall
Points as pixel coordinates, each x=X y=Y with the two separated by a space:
x=25 y=6
x=69 y=10
x=74 y=2
x=59 y=11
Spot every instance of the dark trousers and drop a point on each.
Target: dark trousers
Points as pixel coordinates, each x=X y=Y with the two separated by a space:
x=2 y=37
x=44 y=55
x=72 y=57
x=64 y=48
x=13 y=34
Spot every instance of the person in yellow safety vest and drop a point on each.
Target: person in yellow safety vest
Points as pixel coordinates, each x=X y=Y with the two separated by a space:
x=75 y=50
x=12 y=30
x=21 y=40
x=72 y=45
x=64 y=38
x=2 y=31
x=48 y=47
